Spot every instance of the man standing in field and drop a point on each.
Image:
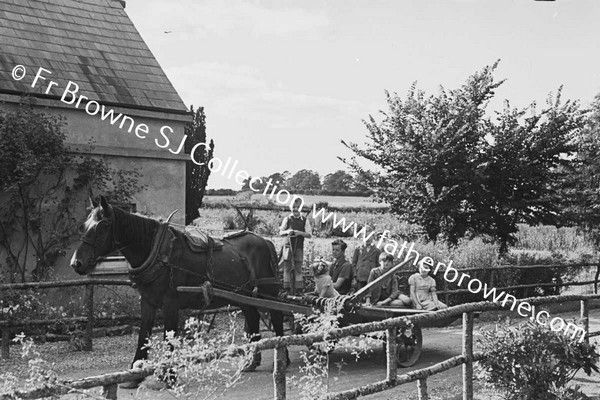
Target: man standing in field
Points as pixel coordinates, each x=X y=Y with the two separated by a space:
x=365 y=258
x=296 y=228
x=341 y=269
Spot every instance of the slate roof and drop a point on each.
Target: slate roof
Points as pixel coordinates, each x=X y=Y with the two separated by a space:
x=90 y=42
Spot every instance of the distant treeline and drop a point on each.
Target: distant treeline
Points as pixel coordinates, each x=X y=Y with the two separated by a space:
x=312 y=192
x=221 y=192
x=307 y=208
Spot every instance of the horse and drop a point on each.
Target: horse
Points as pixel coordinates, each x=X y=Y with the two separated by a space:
x=163 y=257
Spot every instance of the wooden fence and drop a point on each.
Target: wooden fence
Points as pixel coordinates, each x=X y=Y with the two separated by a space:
x=109 y=382
x=8 y=326
x=446 y=292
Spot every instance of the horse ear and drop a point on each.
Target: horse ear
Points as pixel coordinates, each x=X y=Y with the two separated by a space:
x=93 y=203
x=104 y=205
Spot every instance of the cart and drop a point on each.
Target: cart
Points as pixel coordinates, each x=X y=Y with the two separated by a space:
x=409 y=339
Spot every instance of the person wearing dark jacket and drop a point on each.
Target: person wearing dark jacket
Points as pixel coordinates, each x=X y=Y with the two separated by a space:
x=296 y=228
x=365 y=258
x=341 y=269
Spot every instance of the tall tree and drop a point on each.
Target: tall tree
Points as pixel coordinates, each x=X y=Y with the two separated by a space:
x=196 y=175
x=582 y=188
x=43 y=188
x=447 y=167
x=246 y=184
x=304 y=180
x=361 y=184
x=339 y=181
x=527 y=164
x=279 y=179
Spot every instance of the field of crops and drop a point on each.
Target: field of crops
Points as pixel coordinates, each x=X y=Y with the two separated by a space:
x=534 y=244
x=335 y=201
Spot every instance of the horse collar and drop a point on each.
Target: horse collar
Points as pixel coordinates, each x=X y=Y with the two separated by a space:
x=150 y=269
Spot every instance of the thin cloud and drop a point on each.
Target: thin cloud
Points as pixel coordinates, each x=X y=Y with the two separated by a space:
x=241 y=92
x=196 y=19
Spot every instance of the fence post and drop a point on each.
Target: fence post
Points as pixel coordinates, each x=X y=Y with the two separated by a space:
x=446 y=295
x=422 y=389
x=467 y=351
x=6 y=343
x=584 y=308
x=391 y=344
x=89 y=311
x=280 y=361
x=596 y=279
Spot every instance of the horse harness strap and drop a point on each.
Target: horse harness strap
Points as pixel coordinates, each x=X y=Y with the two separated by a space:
x=210 y=262
x=159 y=255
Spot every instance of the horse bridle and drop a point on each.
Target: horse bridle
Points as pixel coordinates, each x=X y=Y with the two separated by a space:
x=114 y=246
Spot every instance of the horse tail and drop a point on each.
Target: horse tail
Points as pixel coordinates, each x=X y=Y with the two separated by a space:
x=274 y=261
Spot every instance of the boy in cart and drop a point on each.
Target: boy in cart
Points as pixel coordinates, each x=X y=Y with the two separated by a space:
x=386 y=293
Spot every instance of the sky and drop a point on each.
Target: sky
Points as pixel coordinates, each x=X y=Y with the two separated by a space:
x=283 y=82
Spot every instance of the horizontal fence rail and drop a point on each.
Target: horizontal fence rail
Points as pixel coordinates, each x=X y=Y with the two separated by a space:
x=278 y=344
x=5 y=325
x=59 y=284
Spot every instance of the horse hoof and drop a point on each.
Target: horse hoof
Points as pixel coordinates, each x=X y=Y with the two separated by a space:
x=130 y=385
x=250 y=368
x=255 y=363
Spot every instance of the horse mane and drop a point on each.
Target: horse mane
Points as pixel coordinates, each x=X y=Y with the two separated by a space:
x=136 y=228
x=91 y=219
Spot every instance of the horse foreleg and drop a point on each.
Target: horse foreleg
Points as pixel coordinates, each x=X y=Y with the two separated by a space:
x=252 y=328
x=141 y=353
x=170 y=311
x=148 y=315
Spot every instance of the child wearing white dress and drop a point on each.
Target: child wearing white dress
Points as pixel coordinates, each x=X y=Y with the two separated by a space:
x=422 y=290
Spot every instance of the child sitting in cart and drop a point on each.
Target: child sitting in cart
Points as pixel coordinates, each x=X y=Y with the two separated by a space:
x=323 y=283
x=386 y=293
x=422 y=289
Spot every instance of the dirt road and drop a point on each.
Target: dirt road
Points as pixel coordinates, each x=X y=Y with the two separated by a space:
x=439 y=344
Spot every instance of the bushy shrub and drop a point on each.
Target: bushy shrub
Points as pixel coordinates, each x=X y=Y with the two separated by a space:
x=229 y=222
x=27 y=305
x=551 y=238
x=315 y=373
x=197 y=361
x=468 y=254
x=539 y=275
x=269 y=222
x=56 y=304
x=531 y=362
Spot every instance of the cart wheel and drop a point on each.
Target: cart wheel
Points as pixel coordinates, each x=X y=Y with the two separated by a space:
x=409 y=345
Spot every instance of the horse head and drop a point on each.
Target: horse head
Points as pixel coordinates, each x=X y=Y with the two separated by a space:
x=97 y=239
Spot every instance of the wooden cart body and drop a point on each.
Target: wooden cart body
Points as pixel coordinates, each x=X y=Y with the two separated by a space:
x=409 y=340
